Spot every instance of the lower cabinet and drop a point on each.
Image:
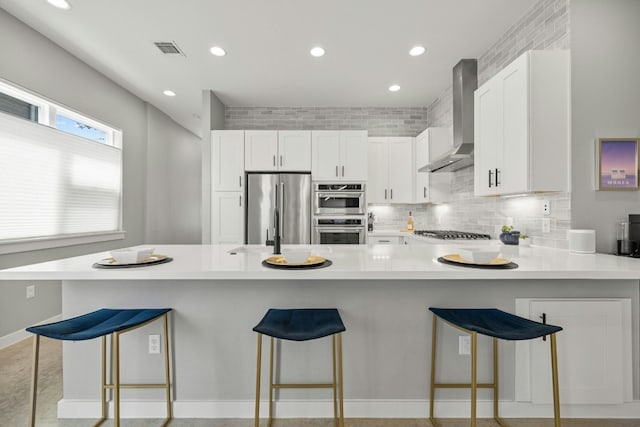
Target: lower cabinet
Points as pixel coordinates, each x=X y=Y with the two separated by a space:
x=227 y=217
x=594 y=352
x=386 y=240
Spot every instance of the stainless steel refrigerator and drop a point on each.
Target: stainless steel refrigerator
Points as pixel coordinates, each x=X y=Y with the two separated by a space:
x=292 y=194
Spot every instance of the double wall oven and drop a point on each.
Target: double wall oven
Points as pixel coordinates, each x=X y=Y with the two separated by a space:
x=339 y=213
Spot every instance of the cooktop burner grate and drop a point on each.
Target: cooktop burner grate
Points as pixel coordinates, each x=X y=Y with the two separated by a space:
x=451 y=234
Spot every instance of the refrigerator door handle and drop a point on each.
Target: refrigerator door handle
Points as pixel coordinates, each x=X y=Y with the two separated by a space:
x=282 y=202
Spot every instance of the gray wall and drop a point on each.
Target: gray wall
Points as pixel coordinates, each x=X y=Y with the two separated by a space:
x=34 y=62
x=173 y=181
x=605 y=38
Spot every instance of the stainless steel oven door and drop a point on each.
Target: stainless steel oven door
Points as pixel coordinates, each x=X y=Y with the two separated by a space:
x=339 y=235
x=339 y=203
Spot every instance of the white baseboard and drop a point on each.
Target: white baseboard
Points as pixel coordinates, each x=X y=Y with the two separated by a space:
x=18 y=336
x=353 y=409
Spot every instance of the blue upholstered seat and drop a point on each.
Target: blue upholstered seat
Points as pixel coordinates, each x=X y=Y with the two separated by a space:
x=300 y=324
x=96 y=324
x=495 y=323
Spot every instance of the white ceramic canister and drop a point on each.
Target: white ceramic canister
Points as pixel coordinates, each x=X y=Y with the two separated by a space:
x=582 y=241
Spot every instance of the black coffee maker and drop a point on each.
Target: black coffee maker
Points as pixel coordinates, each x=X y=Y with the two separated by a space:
x=631 y=248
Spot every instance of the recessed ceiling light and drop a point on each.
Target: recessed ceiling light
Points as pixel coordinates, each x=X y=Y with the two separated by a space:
x=394 y=88
x=417 y=50
x=218 y=51
x=317 y=52
x=60 y=4
x=169 y=93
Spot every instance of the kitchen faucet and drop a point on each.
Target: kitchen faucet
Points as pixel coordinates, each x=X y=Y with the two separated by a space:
x=276 y=237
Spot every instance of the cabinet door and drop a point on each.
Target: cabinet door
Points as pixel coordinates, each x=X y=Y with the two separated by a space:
x=261 y=150
x=227 y=218
x=227 y=160
x=294 y=150
x=377 y=189
x=594 y=352
x=353 y=155
x=513 y=175
x=421 y=159
x=400 y=161
x=386 y=240
x=325 y=155
x=488 y=138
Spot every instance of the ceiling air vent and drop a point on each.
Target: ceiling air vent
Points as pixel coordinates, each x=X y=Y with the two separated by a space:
x=169 y=48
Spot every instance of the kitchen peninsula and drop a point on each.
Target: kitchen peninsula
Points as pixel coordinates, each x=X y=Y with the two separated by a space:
x=219 y=293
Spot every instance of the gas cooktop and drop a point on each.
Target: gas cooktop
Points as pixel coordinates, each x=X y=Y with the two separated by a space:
x=450 y=234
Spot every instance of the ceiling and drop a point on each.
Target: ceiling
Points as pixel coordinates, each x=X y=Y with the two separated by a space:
x=268 y=42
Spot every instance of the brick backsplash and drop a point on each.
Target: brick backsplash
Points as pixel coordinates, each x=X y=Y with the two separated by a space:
x=544 y=26
x=379 y=121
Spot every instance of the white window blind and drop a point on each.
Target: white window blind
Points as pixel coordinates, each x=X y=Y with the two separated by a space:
x=54 y=184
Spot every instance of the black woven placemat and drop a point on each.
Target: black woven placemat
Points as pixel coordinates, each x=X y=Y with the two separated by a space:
x=509 y=266
x=146 y=264
x=325 y=263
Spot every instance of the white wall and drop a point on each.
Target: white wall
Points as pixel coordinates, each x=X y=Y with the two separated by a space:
x=34 y=62
x=605 y=40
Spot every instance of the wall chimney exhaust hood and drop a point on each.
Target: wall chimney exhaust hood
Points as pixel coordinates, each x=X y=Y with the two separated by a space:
x=465 y=82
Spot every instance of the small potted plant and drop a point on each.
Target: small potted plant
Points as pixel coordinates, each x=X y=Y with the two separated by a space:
x=509 y=236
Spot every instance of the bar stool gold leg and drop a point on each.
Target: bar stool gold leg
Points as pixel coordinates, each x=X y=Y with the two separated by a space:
x=259 y=365
x=271 y=383
x=116 y=379
x=34 y=380
x=103 y=375
x=167 y=373
x=335 y=387
x=556 y=387
x=474 y=376
x=433 y=369
x=339 y=339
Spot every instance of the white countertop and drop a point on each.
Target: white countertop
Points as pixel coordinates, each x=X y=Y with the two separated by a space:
x=398 y=262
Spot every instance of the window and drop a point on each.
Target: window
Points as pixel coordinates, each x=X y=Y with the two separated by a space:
x=60 y=175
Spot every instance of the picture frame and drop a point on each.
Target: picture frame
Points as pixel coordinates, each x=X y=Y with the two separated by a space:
x=617 y=164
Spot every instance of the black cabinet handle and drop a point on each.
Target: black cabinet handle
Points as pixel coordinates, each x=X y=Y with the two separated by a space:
x=490 y=182
x=497 y=182
x=544 y=321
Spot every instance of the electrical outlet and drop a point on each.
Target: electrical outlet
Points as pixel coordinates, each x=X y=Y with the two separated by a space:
x=464 y=344
x=31 y=291
x=154 y=344
x=546 y=225
x=546 y=207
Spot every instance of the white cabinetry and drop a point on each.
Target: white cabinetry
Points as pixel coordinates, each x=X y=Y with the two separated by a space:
x=227 y=217
x=390 y=170
x=339 y=155
x=432 y=187
x=594 y=352
x=386 y=240
x=522 y=126
x=272 y=150
x=227 y=172
x=227 y=160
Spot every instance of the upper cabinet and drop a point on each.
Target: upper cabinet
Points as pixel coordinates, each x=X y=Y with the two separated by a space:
x=390 y=170
x=522 y=125
x=432 y=144
x=227 y=160
x=271 y=150
x=339 y=155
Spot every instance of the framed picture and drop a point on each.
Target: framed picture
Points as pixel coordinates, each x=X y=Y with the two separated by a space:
x=617 y=163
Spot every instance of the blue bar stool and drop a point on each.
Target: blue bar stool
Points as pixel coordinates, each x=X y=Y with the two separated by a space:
x=302 y=325
x=101 y=323
x=497 y=324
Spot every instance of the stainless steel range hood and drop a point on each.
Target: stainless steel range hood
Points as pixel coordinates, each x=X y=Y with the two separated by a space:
x=465 y=82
